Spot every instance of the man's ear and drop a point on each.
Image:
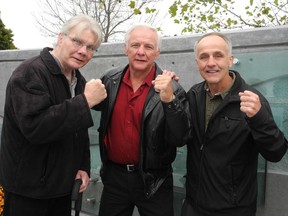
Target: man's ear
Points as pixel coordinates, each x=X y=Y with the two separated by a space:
x=157 y=54
x=125 y=49
x=60 y=37
x=231 y=59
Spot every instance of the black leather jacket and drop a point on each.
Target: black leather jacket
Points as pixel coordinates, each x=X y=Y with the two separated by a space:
x=163 y=126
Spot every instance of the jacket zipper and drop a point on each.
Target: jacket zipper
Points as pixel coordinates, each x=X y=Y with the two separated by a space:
x=200 y=170
x=234 y=194
x=201 y=156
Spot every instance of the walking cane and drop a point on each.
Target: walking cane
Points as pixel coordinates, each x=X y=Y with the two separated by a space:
x=76 y=196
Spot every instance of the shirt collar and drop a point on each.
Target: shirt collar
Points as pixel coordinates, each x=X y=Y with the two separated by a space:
x=227 y=90
x=147 y=81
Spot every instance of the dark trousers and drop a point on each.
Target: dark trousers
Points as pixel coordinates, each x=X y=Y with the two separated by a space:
x=124 y=190
x=15 y=205
x=189 y=210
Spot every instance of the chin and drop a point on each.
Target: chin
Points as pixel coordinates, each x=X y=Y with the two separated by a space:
x=211 y=80
x=77 y=65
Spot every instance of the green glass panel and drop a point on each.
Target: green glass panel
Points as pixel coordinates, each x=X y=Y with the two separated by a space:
x=94 y=140
x=267 y=72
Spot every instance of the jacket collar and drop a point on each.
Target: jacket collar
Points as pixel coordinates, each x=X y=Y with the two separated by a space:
x=52 y=64
x=153 y=98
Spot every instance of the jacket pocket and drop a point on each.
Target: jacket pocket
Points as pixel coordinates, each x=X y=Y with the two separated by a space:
x=230 y=122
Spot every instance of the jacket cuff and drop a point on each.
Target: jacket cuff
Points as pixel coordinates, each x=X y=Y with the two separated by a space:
x=170 y=107
x=259 y=118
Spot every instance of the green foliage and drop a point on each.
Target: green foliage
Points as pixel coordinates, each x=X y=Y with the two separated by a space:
x=6 y=38
x=199 y=16
x=137 y=11
x=132 y=4
x=150 y=10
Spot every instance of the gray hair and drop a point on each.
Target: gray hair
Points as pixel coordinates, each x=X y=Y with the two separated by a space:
x=143 y=25
x=83 y=22
x=225 y=38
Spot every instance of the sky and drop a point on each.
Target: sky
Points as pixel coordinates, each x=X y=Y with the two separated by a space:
x=17 y=15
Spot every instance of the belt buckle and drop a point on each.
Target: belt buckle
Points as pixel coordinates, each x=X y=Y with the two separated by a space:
x=130 y=167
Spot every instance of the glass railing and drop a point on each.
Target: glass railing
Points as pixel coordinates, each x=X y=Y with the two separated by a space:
x=267 y=72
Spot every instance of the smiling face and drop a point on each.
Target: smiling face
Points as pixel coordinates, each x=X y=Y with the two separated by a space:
x=75 y=50
x=213 y=62
x=142 y=50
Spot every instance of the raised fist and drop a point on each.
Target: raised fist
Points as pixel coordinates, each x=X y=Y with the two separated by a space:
x=95 y=92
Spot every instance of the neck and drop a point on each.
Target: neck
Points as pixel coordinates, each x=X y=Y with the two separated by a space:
x=67 y=72
x=137 y=79
x=220 y=87
x=136 y=82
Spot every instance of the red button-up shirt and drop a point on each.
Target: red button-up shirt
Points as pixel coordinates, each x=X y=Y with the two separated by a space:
x=123 y=136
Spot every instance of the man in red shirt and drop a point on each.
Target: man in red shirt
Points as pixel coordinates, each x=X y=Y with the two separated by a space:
x=142 y=117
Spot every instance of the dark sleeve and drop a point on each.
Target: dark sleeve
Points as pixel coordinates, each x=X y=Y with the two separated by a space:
x=39 y=115
x=86 y=157
x=270 y=141
x=177 y=120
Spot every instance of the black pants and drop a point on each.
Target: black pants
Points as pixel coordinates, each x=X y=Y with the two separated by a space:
x=15 y=205
x=124 y=190
x=189 y=210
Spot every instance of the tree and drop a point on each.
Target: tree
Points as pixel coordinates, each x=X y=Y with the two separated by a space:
x=114 y=16
x=6 y=37
x=198 y=16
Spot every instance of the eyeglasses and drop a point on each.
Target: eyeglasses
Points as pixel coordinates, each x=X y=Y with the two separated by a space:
x=79 y=44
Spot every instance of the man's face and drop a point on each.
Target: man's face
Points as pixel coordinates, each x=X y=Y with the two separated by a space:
x=76 y=50
x=142 y=50
x=213 y=60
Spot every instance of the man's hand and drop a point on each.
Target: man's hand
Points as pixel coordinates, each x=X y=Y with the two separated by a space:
x=163 y=85
x=94 y=92
x=250 y=103
x=85 y=179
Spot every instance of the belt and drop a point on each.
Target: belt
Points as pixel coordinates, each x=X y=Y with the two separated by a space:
x=128 y=167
